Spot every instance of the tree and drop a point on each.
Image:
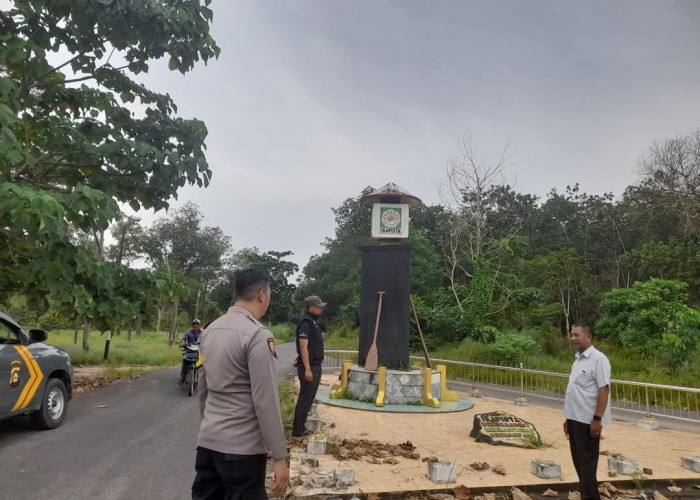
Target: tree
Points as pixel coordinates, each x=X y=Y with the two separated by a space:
x=181 y=242
x=128 y=236
x=678 y=260
x=567 y=280
x=672 y=169
x=335 y=274
x=652 y=317
x=282 y=307
x=471 y=253
x=80 y=134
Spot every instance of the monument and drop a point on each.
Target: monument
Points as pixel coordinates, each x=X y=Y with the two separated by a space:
x=383 y=373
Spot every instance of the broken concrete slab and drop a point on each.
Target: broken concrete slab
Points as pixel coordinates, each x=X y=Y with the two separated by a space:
x=545 y=469
x=691 y=463
x=314 y=424
x=442 y=472
x=344 y=477
x=308 y=459
x=322 y=478
x=622 y=465
x=316 y=444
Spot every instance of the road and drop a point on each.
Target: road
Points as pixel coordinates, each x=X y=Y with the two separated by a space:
x=141 y=445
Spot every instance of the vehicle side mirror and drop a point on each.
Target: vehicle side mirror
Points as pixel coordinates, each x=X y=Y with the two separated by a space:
x=37 y=335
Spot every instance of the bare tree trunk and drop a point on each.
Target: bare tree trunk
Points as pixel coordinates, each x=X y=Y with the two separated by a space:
x=160 y=315
x=86 y=336
x=128 y=333
x=138 y=324
x=173 y=329
x=75 y=331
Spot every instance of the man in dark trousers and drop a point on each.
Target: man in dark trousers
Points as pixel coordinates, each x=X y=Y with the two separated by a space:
x=239 y=401
x=586 y=408
x=309 y=359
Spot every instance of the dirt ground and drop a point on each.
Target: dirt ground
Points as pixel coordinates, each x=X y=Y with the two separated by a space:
x=445 y=437
x=89 y=378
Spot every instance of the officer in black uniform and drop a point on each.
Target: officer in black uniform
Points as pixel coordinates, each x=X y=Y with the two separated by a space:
x=309 y=359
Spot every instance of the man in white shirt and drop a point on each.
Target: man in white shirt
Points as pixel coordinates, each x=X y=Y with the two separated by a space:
x=586 y=408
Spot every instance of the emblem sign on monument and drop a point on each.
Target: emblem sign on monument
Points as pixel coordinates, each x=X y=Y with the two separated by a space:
x=390 y=220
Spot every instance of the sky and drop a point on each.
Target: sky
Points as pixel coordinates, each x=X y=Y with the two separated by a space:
x=311 y=101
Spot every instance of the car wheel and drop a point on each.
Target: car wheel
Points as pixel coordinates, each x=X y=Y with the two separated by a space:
x=53 y=406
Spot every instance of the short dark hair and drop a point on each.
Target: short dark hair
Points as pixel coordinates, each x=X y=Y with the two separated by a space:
x=583 y=326
x=249 y=282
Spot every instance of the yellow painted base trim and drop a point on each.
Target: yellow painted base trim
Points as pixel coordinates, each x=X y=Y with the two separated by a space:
x=381 y=386
x=338 y=390
x=445 y=393
x=428 y=399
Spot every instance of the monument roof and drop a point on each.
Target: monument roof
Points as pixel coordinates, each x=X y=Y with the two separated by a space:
x=391 y=190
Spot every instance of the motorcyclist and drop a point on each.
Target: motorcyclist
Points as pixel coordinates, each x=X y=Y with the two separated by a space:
x=191 y=337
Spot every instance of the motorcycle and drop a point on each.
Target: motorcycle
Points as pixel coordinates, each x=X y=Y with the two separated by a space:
x=192 y=363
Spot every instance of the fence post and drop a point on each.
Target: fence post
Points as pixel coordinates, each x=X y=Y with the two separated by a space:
x=522 y=400
x=648 y=421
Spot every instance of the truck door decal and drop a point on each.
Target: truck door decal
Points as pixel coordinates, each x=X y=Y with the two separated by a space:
x=35 y=378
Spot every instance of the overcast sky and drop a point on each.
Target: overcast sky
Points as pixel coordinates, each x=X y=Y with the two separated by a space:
x=311 y=101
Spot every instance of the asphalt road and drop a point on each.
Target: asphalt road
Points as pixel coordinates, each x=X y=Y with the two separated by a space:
x=141 y=445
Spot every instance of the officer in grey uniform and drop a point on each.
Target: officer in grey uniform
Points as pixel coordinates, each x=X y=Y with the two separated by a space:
x=239 y=401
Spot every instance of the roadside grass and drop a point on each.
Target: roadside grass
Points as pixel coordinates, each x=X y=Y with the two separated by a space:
x=288 y=396
x=284 y=332
x=146 y=349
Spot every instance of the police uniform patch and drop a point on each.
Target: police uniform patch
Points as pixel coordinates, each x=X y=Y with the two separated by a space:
x=14 y=373
x=271 y=346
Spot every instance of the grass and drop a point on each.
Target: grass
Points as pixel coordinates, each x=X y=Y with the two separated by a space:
x=284 y=332
x=288 y=395
x=149 y=349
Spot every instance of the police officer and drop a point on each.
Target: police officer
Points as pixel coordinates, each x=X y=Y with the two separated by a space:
x=309 y=359
x=239 y=401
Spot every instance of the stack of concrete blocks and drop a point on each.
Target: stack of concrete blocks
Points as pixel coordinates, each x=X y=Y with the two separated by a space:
x=546 y=469
x=316 y=444
x=329 y=478
x=691 y=463
x=442 y=472
x=622 y=465
x=314 y=424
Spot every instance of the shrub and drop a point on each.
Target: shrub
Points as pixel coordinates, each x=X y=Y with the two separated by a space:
x=652 y=318
x=511 y=348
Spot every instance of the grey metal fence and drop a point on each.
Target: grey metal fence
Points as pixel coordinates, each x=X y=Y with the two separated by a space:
x=641 y=397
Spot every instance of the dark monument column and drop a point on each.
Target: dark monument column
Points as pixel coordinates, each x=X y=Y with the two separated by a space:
x=386 y=268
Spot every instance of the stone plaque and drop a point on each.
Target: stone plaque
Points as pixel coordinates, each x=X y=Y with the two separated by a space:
x=503 y=429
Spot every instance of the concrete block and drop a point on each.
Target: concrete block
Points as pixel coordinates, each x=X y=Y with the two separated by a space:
x=546 y=469
x=314 y=424
x=622 y=465
x=344 y=477
x=648 y=423
x=692 y=463
x=442 y=472
x=313 y=412
x=316 y=444
x=324 y=478
x=308 y=459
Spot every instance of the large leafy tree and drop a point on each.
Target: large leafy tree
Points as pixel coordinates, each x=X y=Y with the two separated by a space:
x=282 y=308
x=78 y=133
x=181 y=242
